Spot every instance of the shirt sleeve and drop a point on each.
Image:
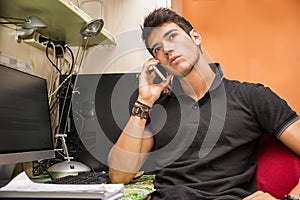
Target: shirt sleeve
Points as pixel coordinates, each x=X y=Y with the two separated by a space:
x=272 y=112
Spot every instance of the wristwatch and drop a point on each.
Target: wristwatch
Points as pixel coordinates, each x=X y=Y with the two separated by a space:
x=290 y=197
x=140 y=111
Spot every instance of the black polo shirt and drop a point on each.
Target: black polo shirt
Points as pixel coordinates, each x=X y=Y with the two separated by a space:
x=207 y=149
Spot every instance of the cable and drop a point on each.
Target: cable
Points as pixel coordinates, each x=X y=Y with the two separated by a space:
x=72 y=56
x=61 y=84
x=47 y=47
x=52 y=106
x=46 y=170
x=44 y=164
x=70 y=73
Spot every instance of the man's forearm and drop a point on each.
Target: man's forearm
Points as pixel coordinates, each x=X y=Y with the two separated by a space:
x=128 y=154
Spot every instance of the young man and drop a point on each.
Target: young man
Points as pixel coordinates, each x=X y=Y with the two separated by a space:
x=201 y=138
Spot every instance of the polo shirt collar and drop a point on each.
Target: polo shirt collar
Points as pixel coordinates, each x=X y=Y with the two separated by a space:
x=217 y=69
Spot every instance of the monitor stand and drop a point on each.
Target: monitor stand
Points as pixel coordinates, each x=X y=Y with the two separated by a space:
x=66 y=168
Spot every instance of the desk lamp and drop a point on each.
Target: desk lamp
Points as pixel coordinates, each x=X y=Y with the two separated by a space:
x=91 y=29
x=68 y=167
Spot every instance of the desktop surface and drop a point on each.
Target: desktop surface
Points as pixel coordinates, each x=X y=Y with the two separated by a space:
x=140 y=188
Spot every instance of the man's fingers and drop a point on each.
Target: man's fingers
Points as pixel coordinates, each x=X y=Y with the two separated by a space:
x=149 y=63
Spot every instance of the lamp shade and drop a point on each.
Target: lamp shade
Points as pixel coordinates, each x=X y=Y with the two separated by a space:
x=92 y=28
x=33 y=22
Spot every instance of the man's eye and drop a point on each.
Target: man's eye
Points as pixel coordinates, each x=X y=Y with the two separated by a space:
x=172 y=36
x=157 y=49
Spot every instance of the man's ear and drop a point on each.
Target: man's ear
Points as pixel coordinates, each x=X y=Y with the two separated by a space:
x=196 y=37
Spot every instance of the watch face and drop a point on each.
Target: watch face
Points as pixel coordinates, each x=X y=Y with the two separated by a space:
x=141 y=112
x=286 y=198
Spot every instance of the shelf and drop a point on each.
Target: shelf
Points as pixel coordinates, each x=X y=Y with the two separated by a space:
x=63 y=18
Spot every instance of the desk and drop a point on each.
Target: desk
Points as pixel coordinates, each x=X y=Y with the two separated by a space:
x=22 y=187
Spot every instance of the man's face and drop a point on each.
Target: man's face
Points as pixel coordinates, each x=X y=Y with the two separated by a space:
x=177 y=51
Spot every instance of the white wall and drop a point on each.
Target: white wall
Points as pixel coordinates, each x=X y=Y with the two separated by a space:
x=24 y=52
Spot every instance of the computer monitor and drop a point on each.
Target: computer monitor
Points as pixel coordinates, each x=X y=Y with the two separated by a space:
x=25 y=126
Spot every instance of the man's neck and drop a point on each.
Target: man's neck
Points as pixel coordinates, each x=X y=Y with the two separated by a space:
x=198 y=81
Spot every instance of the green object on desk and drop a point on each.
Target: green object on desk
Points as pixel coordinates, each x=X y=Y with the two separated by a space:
x=139 y=188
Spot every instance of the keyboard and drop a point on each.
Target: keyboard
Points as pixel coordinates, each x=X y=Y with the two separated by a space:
x=83 y=178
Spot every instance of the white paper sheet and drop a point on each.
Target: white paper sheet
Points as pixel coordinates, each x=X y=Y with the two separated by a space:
x=22 y=183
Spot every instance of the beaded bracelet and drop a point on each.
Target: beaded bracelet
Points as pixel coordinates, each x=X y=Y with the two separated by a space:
x=143 y=104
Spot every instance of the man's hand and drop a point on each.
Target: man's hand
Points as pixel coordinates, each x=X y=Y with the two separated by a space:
x=148 y=91
x=259 y=195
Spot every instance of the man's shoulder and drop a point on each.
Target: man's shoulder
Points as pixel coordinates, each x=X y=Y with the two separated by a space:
x=235 y=84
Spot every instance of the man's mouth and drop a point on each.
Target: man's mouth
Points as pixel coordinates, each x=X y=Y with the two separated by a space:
x=174 y=60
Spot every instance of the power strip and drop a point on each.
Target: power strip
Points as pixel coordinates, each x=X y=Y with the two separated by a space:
x=37 y=40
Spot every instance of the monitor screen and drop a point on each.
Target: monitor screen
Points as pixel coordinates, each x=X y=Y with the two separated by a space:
x=25 y=126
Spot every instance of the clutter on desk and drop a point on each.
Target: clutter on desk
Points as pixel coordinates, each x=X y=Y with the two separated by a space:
x=139 y=188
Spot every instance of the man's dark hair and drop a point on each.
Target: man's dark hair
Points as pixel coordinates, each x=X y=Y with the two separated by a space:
x=160 y=16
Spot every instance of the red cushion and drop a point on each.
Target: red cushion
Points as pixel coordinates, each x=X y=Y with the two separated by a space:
x=278 y=168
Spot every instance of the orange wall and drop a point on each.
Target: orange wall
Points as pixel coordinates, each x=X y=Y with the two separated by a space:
x=254 y=40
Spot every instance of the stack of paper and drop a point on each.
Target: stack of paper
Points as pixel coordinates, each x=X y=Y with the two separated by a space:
x=22 y=186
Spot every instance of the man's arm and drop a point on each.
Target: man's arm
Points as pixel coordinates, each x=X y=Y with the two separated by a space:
x=291 y=137
x=130 y=151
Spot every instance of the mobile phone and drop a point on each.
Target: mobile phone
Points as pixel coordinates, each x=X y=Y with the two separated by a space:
x=167 y=89
x=161 y=76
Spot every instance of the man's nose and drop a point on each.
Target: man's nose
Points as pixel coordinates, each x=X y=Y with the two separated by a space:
x=168 y=48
